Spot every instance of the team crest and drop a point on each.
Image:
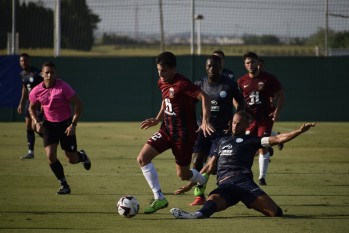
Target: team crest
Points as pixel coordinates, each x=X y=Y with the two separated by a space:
x=31 y=79
x=223 y=94
x=260 y=86
x=171 y=92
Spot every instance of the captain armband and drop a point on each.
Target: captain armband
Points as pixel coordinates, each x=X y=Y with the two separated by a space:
x=265 y=142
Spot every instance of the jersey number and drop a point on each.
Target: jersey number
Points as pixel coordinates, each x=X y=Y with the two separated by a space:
x=254 y=98
x=168 y=105
x=156 y=136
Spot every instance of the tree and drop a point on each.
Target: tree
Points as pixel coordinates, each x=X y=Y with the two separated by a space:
x=341 y=40
x=77 y=25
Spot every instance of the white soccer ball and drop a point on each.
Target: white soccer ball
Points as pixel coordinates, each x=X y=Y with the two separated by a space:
x=128 y=206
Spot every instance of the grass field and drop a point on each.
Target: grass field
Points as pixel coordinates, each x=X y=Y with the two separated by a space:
x=309 y=179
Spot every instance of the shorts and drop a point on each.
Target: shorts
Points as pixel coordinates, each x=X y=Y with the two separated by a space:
x=239 y=188
x=182 y=151
x=260 y=128
x=206 y=145
x=54 y=133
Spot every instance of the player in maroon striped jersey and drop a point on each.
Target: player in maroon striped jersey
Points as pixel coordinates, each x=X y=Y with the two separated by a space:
x=178 y=128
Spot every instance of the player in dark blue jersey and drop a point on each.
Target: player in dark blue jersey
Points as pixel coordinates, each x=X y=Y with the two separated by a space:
x=30 y=78
x=234 y=159
x=222 y=91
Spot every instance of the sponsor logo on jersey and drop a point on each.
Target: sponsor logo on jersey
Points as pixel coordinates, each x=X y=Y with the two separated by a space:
x=260 y=86
x=227 y=147
x=171 y=92
x=223 y=94
x=239 y=140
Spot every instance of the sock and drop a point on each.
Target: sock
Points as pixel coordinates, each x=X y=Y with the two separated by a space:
x=263 y=165
x=151 y=176
x=197 y=177
x=209 y=208
x=30 y=139
x=57 y=169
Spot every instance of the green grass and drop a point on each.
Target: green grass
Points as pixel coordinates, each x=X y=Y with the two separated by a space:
x=152 y=50
x=309 y=179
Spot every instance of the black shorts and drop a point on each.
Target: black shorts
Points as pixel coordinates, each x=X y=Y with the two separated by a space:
x=54 y=133
x=239 y=188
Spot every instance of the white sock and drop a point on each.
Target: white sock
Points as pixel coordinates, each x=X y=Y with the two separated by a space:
x=31 y=152
x=197 y=177
x=151 y=176
x=263 y=165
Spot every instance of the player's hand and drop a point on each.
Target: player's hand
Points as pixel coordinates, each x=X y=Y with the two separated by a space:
x=19 y=109
x=306 y=127
x=149 y=123
x=70 y=130
x=206 y=128
x=38 y=127
x=184 y=189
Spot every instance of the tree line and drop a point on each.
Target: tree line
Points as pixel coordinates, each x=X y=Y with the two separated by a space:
x=34 y=24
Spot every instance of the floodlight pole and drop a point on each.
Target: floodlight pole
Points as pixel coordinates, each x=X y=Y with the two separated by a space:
x=192 y=27
x=13 y=35
x=198 y=18
x=326 y=28
x=57 y=29
x=162 y=42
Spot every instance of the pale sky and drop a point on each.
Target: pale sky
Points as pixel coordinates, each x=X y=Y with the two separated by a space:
x=290 y=18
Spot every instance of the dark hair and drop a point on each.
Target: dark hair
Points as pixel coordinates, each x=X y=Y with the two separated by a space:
x=250 y=55
x=216 y=59
x=166 y=59
x=49 y=64
x=219 y=52
x=25 y=55
x=244 y=115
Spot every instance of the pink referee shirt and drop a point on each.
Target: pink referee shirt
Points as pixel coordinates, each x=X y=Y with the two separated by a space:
x=54 y=100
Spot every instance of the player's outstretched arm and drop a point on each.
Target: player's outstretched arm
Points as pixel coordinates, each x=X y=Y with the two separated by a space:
x=285 y=137
x=206 y=126
x=147 y=123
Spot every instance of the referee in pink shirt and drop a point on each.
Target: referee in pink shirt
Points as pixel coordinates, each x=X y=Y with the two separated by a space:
x=58 y=126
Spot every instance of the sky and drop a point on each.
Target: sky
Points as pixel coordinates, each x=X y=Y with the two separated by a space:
x=286 y=18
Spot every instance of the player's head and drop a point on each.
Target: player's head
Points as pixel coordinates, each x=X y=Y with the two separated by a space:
x=240 y=122
x=251 y=62
x=49 y=73
x=260 y=64
x=221 y=55
x=166 y=65
x=213 y=67
x=24 y=61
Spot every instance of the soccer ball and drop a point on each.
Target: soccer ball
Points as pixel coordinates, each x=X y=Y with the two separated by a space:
x=128 y=206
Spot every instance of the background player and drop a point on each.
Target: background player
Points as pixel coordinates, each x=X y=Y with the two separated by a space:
x=222 y=91
x=30 y=78
x=234 y=159
x=258 y=89
x=225 y=71
x=178 y=128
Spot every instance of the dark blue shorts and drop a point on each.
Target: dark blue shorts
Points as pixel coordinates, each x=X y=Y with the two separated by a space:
x=239 y=188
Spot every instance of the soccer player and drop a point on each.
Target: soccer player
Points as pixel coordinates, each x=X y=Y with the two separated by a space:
x=234 y=159
x=261 y=67
x=58 y=126
x=258 y=89
x=178 y=128
x=222 y=91
x=30 y=78
x=225 y=72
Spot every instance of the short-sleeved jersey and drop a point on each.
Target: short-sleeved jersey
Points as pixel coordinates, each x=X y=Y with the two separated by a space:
x=180 y=97
x=236 y=153
x=222 y=95
x=31 y=78
x=53 y=100
x=257 y=93
x=228 y=73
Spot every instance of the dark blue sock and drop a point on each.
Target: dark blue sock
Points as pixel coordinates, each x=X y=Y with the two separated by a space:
x=208 y=209
x=57 y=169
x=30 y=139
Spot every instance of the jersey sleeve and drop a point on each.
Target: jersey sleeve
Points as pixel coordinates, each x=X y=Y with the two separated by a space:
x=190 y=89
